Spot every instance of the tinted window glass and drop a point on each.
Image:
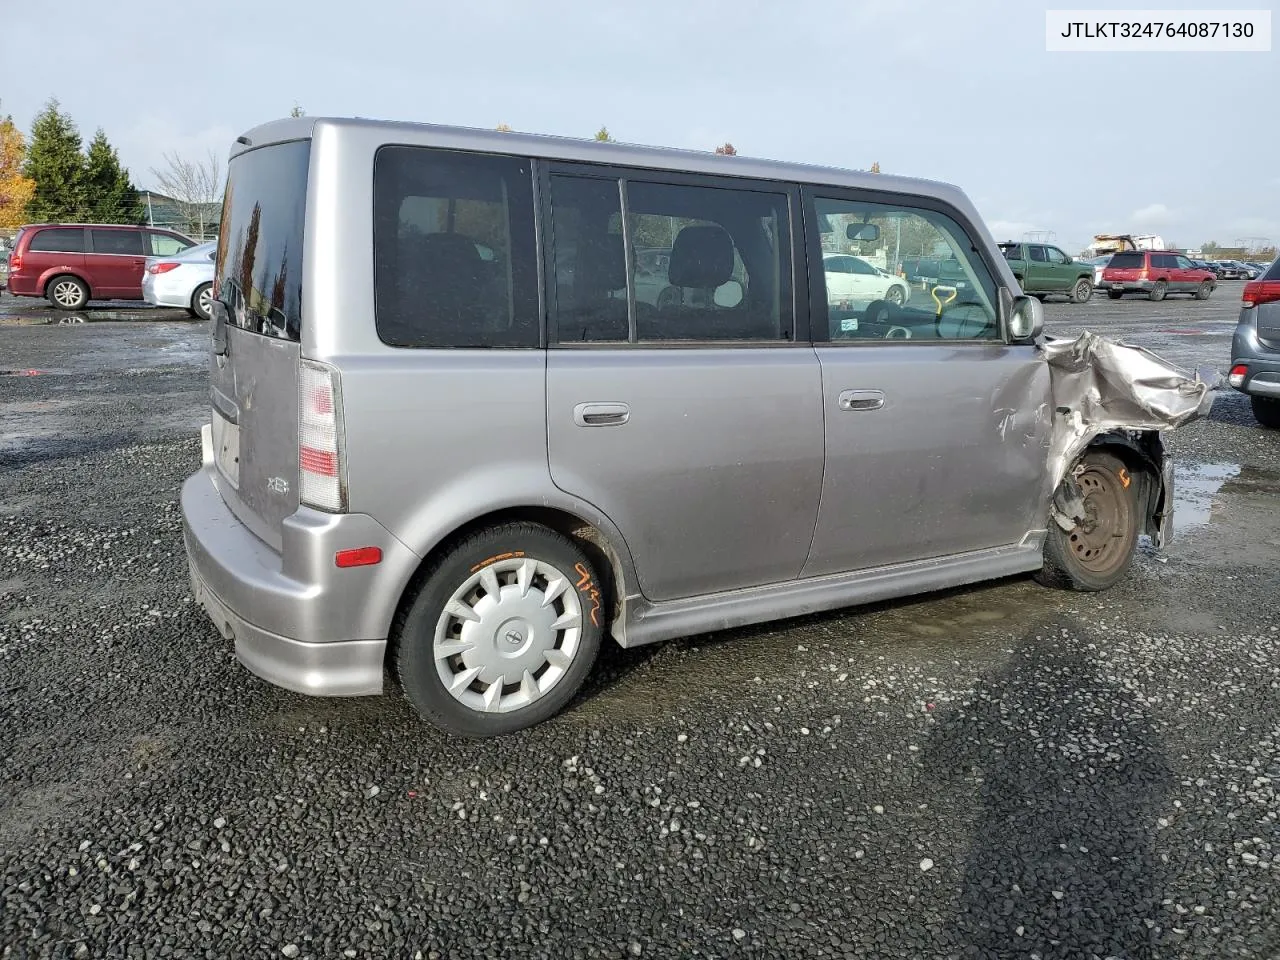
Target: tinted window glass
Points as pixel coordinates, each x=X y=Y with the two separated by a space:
x=1126 y=261
x=1273 y=272
x=453 y=249
x=58 y=241
x=589 y=301
x=1163 y=260
x=126 y=242
x=1037 y=254
x=861 y=266
x=1011 y=251
x=728 y=268
x=167 y=245
x=259 y=263
x=930 y=285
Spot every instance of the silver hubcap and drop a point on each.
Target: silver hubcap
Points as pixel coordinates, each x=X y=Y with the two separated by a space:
x=205 y=299
x=66 y=293
x=894 y=295
x=508 y=635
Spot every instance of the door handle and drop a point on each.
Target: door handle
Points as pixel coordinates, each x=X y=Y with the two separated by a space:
x=854 y=400
x=601 y=414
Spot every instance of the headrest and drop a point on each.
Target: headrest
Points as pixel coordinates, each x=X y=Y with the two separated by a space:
x=701 y=257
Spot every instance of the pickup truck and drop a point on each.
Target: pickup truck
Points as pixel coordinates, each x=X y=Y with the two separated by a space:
x=1042 y=270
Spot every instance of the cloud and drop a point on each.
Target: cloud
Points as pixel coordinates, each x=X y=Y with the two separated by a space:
x=1153 y=215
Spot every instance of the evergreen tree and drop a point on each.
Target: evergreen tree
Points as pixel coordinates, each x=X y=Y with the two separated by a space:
x=112 y=198
x=55 y=163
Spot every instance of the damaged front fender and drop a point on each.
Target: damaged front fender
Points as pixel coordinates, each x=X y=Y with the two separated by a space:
x=1108 y=393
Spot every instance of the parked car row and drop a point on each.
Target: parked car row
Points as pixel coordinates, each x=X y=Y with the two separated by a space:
x=1255 y=348
x=71 y=264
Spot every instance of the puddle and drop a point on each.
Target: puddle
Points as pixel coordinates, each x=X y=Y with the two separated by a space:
x=1194 y=487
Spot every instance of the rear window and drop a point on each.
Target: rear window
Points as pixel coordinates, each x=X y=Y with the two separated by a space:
x=259 y=263
x=1127 y=261
x=1011 y=251
x=454 y=262
x=58 y=241
x=1273 y=272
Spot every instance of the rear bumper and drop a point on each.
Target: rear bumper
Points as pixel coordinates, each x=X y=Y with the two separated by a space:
x=23 y=286
x=297 y=620
x=1128 y=285
x=164 y=294
x=1263 y=363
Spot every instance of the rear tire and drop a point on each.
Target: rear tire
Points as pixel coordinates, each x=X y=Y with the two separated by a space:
x=1083 y=291
x=201 y=300
x=1115 y=294
x=67 y=292
x=1096 y=553
x=1266 y=410
x=502 y=633
x=1158 y=291
x=1203 y=291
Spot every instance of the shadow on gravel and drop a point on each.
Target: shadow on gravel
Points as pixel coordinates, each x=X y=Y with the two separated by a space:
x=1071 y=779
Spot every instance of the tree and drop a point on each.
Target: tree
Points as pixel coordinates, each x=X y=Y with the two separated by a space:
x=194 y=185
x=726 y=150
x=297 y=111
x=603 y=135
x=875 y=167
x=15 y=189
x=111 y=196
x=1208 y=248
x=503 y=128
x=56 y=165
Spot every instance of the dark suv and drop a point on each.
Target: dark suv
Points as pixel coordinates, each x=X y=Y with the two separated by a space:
x=1255 y=349
x=71 y=263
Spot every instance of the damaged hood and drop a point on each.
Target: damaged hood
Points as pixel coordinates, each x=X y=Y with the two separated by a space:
x=1100 y=385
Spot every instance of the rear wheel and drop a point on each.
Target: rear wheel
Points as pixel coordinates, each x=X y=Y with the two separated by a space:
x=1203 y=291
x=1115 y=294
x=1097 y=551
x=1083 y=291
x=1158 y=291
x=1266 y=410
x=502 y=632
x=67 y=292
x=202 y=301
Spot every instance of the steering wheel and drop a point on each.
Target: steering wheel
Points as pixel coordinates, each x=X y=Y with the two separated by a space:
x=897 y=333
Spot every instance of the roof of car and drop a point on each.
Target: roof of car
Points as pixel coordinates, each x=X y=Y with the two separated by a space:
x=591 y=151
x=97 y=226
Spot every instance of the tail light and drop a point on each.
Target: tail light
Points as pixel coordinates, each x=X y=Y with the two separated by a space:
x=320 y=465
x=15 y=262
x=1258 y=292
x=1237 y=374
x=162 y=267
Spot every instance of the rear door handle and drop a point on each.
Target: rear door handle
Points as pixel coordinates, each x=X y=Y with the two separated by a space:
x=855 y=400
x=601 y=414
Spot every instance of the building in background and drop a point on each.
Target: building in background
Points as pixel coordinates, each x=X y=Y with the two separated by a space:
x=199 y=221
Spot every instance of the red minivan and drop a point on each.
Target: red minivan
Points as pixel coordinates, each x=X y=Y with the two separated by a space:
x=73 y=263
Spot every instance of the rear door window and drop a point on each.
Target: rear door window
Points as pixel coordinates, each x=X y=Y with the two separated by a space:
x=454 y=256
x=126 y=243
x=58 y=241
x=259 y=263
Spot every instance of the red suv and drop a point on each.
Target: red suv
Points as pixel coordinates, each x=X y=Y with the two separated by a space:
x=1157 y=273
x=71 y=263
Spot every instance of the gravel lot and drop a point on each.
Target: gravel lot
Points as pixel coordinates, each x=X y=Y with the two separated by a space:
x=1002 y=771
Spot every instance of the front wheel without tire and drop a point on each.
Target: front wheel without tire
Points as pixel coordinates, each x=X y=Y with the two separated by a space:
x=1083 y=292
x=1266 y=410
x=67 y=293
x=502 y=632
x=1097 y=551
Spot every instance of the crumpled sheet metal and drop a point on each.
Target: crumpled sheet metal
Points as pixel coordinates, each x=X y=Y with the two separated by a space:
x=1100 y=385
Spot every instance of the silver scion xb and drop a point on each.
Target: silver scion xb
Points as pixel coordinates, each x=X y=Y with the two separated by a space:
x=451 y=439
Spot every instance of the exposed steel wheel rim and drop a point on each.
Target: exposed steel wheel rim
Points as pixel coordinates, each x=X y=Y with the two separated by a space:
x=508 y=635
x=1100 y=542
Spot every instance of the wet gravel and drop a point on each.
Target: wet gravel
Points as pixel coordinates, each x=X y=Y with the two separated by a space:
x=1002 y=771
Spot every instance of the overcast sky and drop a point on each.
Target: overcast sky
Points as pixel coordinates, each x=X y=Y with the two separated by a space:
x=959 y=90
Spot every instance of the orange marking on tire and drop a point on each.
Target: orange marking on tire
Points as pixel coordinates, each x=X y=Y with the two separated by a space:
x=492 y=560
x=1125 y=480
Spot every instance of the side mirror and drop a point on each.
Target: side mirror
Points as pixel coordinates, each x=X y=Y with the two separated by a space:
x=1026 y=319
x=218 y=313
x=866 y=232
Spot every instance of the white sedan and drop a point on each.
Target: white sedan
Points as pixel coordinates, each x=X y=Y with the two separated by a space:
x=851 y=279
x=185 y=280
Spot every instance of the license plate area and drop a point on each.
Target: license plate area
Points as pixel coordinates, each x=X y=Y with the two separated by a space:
x=226 y=448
